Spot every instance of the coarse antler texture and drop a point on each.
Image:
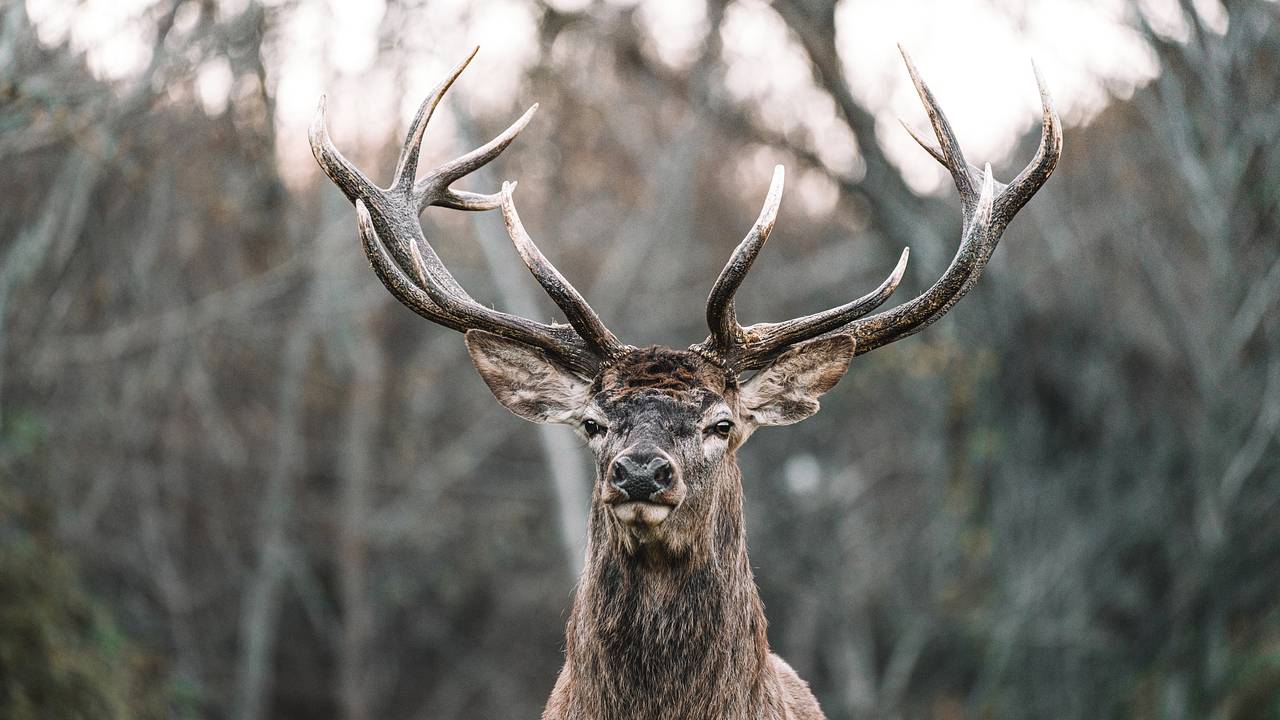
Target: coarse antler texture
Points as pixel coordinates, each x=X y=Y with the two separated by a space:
x=410 y=268
x=412 y=271
x=987 y=208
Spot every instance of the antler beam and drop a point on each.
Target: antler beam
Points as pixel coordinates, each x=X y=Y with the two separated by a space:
x=987 y=208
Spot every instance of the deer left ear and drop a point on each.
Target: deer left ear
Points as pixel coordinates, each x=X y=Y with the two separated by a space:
x=787 y=390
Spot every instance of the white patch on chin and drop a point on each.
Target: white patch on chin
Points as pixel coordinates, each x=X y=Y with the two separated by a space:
x=641 y=514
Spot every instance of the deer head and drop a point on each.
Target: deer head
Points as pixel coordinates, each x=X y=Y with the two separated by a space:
x=663 y=423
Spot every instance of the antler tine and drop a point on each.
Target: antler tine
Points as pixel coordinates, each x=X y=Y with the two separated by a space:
x=444 y=175
x=766 y=341
x=350 y=180
x=929 y=147
x=975 y=172
x=1037 y=172
x=726 y=333
x=387 y=219
x=407 y=163
x=579 y=314
x=948 y=152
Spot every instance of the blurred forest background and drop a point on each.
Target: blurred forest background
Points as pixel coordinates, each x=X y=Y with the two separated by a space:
x=238 y=480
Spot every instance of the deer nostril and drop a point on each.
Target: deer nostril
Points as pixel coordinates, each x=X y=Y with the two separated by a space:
x=641 y=474
x=619 y=477
x=662 y=472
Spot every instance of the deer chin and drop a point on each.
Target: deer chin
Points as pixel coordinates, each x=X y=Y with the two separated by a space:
x=642 y=524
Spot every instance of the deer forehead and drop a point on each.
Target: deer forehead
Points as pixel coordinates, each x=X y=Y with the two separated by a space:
x=662 y=371
x=655 y=381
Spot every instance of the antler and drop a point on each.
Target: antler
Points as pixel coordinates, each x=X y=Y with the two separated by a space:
x=987 y=208
x=409 y=267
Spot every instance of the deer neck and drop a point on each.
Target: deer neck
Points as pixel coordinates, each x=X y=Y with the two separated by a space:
x=663 y=634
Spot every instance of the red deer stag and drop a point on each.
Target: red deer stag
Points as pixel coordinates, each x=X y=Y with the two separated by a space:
x=666 y=620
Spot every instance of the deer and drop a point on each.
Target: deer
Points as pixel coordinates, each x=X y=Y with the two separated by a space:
x=666 y=620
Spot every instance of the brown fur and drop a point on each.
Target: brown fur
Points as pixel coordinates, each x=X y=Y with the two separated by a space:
x=667 y=623
x=654 y=637
x=662 y=369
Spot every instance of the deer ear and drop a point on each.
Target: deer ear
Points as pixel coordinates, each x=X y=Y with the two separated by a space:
x=787 y=390
x=525 y=380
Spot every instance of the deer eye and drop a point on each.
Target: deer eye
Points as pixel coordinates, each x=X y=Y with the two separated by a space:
x=593 y=428
x=723 y=428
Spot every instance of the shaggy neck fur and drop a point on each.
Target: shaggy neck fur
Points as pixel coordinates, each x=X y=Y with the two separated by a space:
x=654 y=635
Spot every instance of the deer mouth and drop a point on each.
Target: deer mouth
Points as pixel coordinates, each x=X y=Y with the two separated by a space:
x=641 y=513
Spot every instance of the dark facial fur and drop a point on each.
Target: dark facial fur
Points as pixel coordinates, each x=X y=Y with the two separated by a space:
x=668 y=400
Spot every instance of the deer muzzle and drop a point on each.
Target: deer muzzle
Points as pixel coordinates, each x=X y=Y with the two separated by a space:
x=643 y=486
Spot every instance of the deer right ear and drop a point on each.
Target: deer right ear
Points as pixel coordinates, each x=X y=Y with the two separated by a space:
x=787 y=390
x=525 y=380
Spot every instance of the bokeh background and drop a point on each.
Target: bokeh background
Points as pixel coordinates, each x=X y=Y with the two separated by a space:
x=238 y=480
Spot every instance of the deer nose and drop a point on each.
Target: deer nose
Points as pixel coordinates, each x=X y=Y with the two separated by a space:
x=641 y=473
